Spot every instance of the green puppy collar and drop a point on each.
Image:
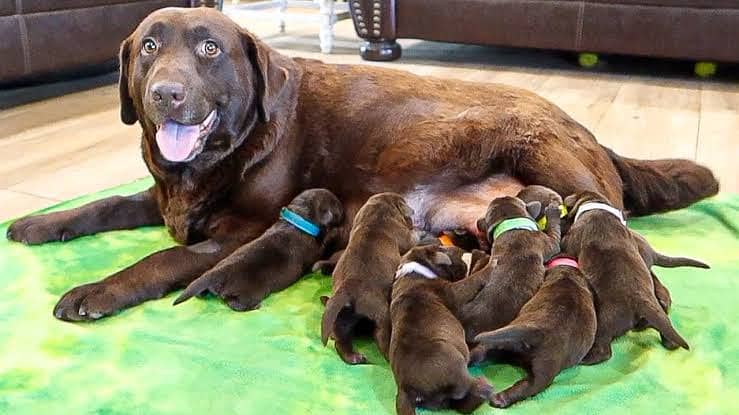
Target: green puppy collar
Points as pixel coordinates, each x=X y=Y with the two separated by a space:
x=511 y=224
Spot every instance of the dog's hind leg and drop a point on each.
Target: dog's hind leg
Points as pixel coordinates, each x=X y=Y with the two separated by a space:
x=600 y=352
x=541 y=376
x=343 y=336
x=479 y=392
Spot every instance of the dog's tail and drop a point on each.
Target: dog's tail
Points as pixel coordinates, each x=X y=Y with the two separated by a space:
x=340 y=300
x=651 y=186
x=196 y=287
x=657 y=318
x=515 y=338
x=673 y=262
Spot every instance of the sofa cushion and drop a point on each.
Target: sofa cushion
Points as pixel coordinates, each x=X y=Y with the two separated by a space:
x=10 y=47
x=37 y=6
x=7 y=7
x=696 y=4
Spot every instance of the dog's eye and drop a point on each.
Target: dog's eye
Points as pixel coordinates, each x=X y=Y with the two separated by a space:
x=149 y=46
x=210 y=49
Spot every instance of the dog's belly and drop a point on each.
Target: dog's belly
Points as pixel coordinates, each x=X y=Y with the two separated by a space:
x=438 y=210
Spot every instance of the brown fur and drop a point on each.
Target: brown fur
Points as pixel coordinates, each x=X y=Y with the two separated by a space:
x=515 y=269
x=276 y=259
x=363 y=277
x=285 y=125
x=622 y=284
x=428 y=353
x=553 y=331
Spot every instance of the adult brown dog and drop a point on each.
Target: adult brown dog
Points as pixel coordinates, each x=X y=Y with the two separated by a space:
x=622 y=284
x=515 y=270
x=233 y=130
x=363 y=277
x=276 y=259
x=553 y=331
x=428 y=353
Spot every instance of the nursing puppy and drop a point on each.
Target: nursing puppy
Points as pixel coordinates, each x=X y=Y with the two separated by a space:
x=545 y=196
x=515 y=269
x=428 y=352
x=553 y=331
x=276 y=259
x=363 y=276
x=622 y=284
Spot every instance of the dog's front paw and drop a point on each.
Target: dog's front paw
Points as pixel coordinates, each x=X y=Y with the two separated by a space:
x=34 y=230
x=87 y=302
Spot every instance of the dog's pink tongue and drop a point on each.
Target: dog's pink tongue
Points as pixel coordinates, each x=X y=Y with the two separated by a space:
x=177 y=141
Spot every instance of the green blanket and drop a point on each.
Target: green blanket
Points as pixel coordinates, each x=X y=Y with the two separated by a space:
x=201 y=357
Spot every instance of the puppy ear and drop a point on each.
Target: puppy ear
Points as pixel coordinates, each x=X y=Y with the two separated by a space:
x=534 y=208
x=271 y=78
x=406 y=211
x=570 y=202
x=441 y=258
x=482 y=226
x=128 y=112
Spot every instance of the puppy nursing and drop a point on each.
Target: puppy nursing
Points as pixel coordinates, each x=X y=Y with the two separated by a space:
x=523 y=302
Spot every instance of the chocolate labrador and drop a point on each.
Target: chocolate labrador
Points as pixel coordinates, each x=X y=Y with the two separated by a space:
x=428 y=352
x=516 y=266
x=232 y=130
x=363 y=277
x=553 y=331
x=276 y=259
x=622 y=284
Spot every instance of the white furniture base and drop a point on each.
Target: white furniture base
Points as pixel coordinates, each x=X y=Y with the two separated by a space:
x=329 y=13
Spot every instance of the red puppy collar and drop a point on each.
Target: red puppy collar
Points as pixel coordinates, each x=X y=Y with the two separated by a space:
x=562 y=260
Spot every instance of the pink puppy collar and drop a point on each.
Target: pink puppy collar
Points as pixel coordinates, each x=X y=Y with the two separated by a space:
x=562 y=261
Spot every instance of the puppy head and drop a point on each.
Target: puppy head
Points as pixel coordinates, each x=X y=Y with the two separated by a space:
x=198 y=84
x=544 y=195
x=507 y=207
x=320 y=206
x=396 y=205
x=444 y=261
x=573 y=201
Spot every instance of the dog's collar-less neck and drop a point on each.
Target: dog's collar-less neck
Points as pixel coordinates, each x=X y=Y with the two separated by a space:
x=542 y=222
x=414 y=267
x=562 y=260
x=522 y=223
x=300 y=222
x=588 y=206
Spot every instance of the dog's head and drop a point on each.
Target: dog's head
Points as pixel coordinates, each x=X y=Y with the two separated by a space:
x=507 y=207
x=573 y=201
x=198 y=84
x=542 y=194
x=445 y=261
x=320 y=206
x=391 y=205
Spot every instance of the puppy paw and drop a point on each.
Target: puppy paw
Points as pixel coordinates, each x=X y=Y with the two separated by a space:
x=354 y=358
x=500 y=400
x=325 y=267
x=34 y=230
x=477 y=355
x=87 y=302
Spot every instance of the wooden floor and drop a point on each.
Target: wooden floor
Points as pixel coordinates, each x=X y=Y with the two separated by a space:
x=65 y=147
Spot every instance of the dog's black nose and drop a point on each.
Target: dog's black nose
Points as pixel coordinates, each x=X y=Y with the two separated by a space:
x=168 y=93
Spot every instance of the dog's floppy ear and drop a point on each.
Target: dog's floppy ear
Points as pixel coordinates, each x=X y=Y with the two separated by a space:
x=441 y=258
x=570 y=202
x=128 y=112
x=482 y=226
x=271 y=78
x=534 y=208
x=406 y=211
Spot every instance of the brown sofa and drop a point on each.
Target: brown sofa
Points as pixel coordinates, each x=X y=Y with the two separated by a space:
x=39 y=38
x=701 y=30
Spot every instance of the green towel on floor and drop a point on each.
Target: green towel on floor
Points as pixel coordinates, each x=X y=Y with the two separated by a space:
x=203 y=358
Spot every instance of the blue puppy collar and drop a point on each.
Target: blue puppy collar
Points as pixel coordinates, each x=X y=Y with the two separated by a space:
x=299 y=222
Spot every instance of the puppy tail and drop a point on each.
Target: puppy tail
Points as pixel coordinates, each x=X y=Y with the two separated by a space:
x=651 y=186
x=405 y=402
x=657 y=319
x=196 y=287
x=674 y=262
x=514 y=338
x=334 y=305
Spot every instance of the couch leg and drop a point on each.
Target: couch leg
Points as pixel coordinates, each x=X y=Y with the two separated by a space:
x=380 y=50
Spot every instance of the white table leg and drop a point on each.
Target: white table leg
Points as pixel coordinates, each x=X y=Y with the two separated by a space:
x=281 y=14
x=326 y=35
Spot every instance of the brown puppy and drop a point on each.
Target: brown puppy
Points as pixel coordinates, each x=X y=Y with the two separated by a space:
x=622 y=285
x=545 y=196
x=232 y=130
x=516 y=266
x=363 y=276
x=276 y=259
x=428 y=353
x=553 y=331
